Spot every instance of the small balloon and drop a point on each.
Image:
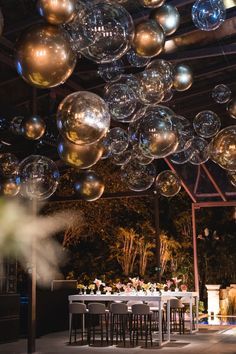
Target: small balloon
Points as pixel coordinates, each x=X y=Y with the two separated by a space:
x=33 y=128
x=208 y=15
x=140 y=156
x=184 y=128
x=15 y=125
x=197 y=151
x=10 y=187
x=8 y=165
x=136 y=60
x=118 y=139
x=138 y=177
x=151 y=3
x=39 y=177
x=122 y=158
x=165 y=70
x=151 y=89
x=231 y=108
x=168 y=183
x=44 y=57
x=183 y=77
x=83 y=118
x=57 y=12
x=206 y=124
x=149 y=39
x=89 y=186
x=111 y=71
x=183 y=156
x=3 y=123
x=232 y=177
x=221 y=93
x=168 y=18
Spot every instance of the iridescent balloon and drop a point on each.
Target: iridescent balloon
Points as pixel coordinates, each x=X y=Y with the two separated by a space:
x=197 y=151
x=111 y=71
x=208 y=15
x=79 y=156
x=151 y=3
x=57 y=12
x=8 y=165
x=122 y=158
x=10 y=187
x=136 y=60
x=165 y=70
x=168 y=183
x=83 y=118
x=33 y=128
x=89 y=186
x=138 y=177
x=39 y=177
x=151 y=88
x=185 y=131
x=231 y=108
x=221 y=93
x=118 y=139
x=223 y=148
x=168 y=17
x=232 y=177
x=110 y=28
x=206 y=124
x=183 y=77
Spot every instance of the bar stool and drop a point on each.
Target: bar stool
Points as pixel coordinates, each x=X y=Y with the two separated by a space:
x=141 y=322
x=130 y=303
x=119 y=322
x=98 y=311
x=186 y=303
x=76 y=310
x=154 y=307
x=177 y=315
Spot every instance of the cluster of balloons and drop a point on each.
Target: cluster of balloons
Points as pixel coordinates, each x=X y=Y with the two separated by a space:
x=208 y=15
x=222 y=94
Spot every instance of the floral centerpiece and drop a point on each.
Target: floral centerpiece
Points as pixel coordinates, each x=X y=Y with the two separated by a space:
x=119 y=286
x=176 y=281
x=91 y=287
x=81 y=288
x=108 y=290
x=98 y=284
x=168 y=284
x=128 y=288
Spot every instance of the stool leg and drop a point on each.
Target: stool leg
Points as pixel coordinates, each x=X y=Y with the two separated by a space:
x=70 y=326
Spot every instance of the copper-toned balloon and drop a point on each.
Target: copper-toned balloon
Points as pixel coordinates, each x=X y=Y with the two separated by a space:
x=57 y=12
x=44 y=57
x=183 y=77
x=149 y=39
x=231 y=108
x=152 y=3
x=1 y=22
x=168 y=18
x=79 y=156
x=10 y=187
x=89 y=186
x=33 y=128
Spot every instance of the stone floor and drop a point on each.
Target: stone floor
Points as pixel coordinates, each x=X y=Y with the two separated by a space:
x=209 y=340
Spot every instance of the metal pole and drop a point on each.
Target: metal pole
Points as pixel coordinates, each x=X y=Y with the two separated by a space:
x=195 y=260
x=158 y=239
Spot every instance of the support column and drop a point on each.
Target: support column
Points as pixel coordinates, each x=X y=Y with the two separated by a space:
x=195 y=259
x=158 y=240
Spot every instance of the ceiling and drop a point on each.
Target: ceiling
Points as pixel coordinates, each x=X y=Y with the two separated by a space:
x=211 y=55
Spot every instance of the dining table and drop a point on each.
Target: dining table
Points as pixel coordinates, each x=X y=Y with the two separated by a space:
x=161 y=297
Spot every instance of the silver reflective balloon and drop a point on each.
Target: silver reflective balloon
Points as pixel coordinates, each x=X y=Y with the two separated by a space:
x=168 y=17
x=183 y=77
x=206 y=124
x=57 y=12
x=138 y=177
x=89 y=186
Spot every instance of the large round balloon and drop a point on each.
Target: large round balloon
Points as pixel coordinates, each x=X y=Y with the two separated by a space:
x=79 y=156
x=1 y=22
x=221 y=93
x=83 y=117
x=39 y=177
x=57 y=12
x=149 y=39
x=33 y=128
x=231 y=108
x=8 y=165
x=10 y=187
x=44 y=57
x=168 y=17
x=165 y=70
x=206 y=124
x=222 y=148
x=89 y=186
x=151 y=3
x=183 y=77
x=138 y=177
x=208 y=15
x=168 y=183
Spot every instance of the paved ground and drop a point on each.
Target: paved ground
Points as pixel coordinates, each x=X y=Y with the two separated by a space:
x=210 y=340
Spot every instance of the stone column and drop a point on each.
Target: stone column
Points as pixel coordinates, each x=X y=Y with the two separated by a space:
x=213 y=299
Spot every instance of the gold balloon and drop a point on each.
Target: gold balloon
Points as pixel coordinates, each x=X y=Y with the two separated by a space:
x=10 y=187
x=231 y=108
x=168 y=18
x=168 y=183
x=79 y=156
x=152 y=3
x=183 y=77
x=44 y=57
x=57 y=12
x=1 y=22
x=149 y=39
x=89 y=186
x=33 y=128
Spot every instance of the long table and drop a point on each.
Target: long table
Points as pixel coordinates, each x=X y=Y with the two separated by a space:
x=160 y=298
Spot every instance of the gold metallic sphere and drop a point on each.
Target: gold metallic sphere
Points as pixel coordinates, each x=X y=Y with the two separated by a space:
x=231 y=108
x=149 y=39
x=89 y=186
x=44 y=57
x=57 y=12
x=79 y=156
x=1 y=22
x=33 y=128
x=183 y=77
x=168 y=18
x=10 y=187
x=152 y=3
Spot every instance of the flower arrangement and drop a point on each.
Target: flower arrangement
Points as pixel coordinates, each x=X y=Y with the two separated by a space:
x=91 y=287
x=98 y=284
x=176 y=281
x=119 y=286
x=107 y=289
x=168 y=284
x=128 y=288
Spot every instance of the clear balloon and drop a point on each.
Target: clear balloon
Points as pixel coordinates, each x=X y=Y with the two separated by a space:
x=168 y=96
x=57 y=12
x=223 y=148
x=151 y=3
x=231 y=108
x=206 y=124
x=39 y=177
x=208 y=15
x=10 y=187
x=15 y=125
x=183 y=77
x=165 y=70
x=168 y=183
x=185 y=131
x=111 y=71
x=136 y=60
x=168 y=17
x=122 y=158
x=151 y=88
x=89 y=186
x=83 y=118
x=182 y=157
x=8 y=165
x=138 y=177
x=33 y=128
x=221 y=93
x=118 y=139
x=110 y=28
x=196 y=151
x=140 y=156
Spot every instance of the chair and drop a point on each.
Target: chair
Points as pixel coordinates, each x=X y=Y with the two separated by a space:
x=98 y=311
x=76 y=310
x=141 y=323
x=177 y=315
x=133 y=302
x=119 y=322
x=154 y=307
